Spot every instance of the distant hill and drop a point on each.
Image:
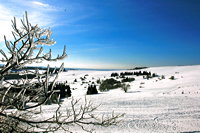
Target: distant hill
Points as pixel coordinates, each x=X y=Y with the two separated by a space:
x=138 y=68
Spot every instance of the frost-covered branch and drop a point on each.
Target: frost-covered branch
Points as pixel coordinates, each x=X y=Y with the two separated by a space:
x=21 y=99
x=28 y=46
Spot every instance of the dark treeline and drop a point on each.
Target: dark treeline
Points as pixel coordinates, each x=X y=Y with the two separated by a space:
x=139 y=73
x=19 y=76
x=61 y=89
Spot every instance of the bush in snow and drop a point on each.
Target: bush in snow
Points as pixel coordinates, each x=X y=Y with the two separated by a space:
x=125 y=87
x=98 y=81
x=109 y=84
x=154 y=75
x=172 y=78
x=128 y=79
x=162 y=77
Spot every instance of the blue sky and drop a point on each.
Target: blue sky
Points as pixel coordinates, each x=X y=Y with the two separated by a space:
x=115 y=33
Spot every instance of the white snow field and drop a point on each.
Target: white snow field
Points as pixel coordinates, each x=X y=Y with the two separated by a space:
x=155 y=105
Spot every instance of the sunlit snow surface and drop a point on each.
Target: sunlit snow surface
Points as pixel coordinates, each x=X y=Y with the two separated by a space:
x=152 y=105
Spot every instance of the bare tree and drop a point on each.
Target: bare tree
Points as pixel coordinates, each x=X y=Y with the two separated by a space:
x=21 y=100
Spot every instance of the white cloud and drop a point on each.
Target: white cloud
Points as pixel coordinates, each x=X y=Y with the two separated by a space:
x=5 y=27
x=38 y=13
x=40 y=4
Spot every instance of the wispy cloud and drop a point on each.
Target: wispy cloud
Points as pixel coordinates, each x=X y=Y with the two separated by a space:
x=42 y=13
x=40 y=4
x=5 y=27
x=38 y=12
x=45 y=14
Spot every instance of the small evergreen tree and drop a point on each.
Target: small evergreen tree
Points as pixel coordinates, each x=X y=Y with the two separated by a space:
x=92 y=90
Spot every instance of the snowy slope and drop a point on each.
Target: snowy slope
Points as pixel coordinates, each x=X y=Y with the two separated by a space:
x=154 y=105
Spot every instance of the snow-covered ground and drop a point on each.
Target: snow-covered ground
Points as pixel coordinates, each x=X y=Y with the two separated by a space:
x=154 y=105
